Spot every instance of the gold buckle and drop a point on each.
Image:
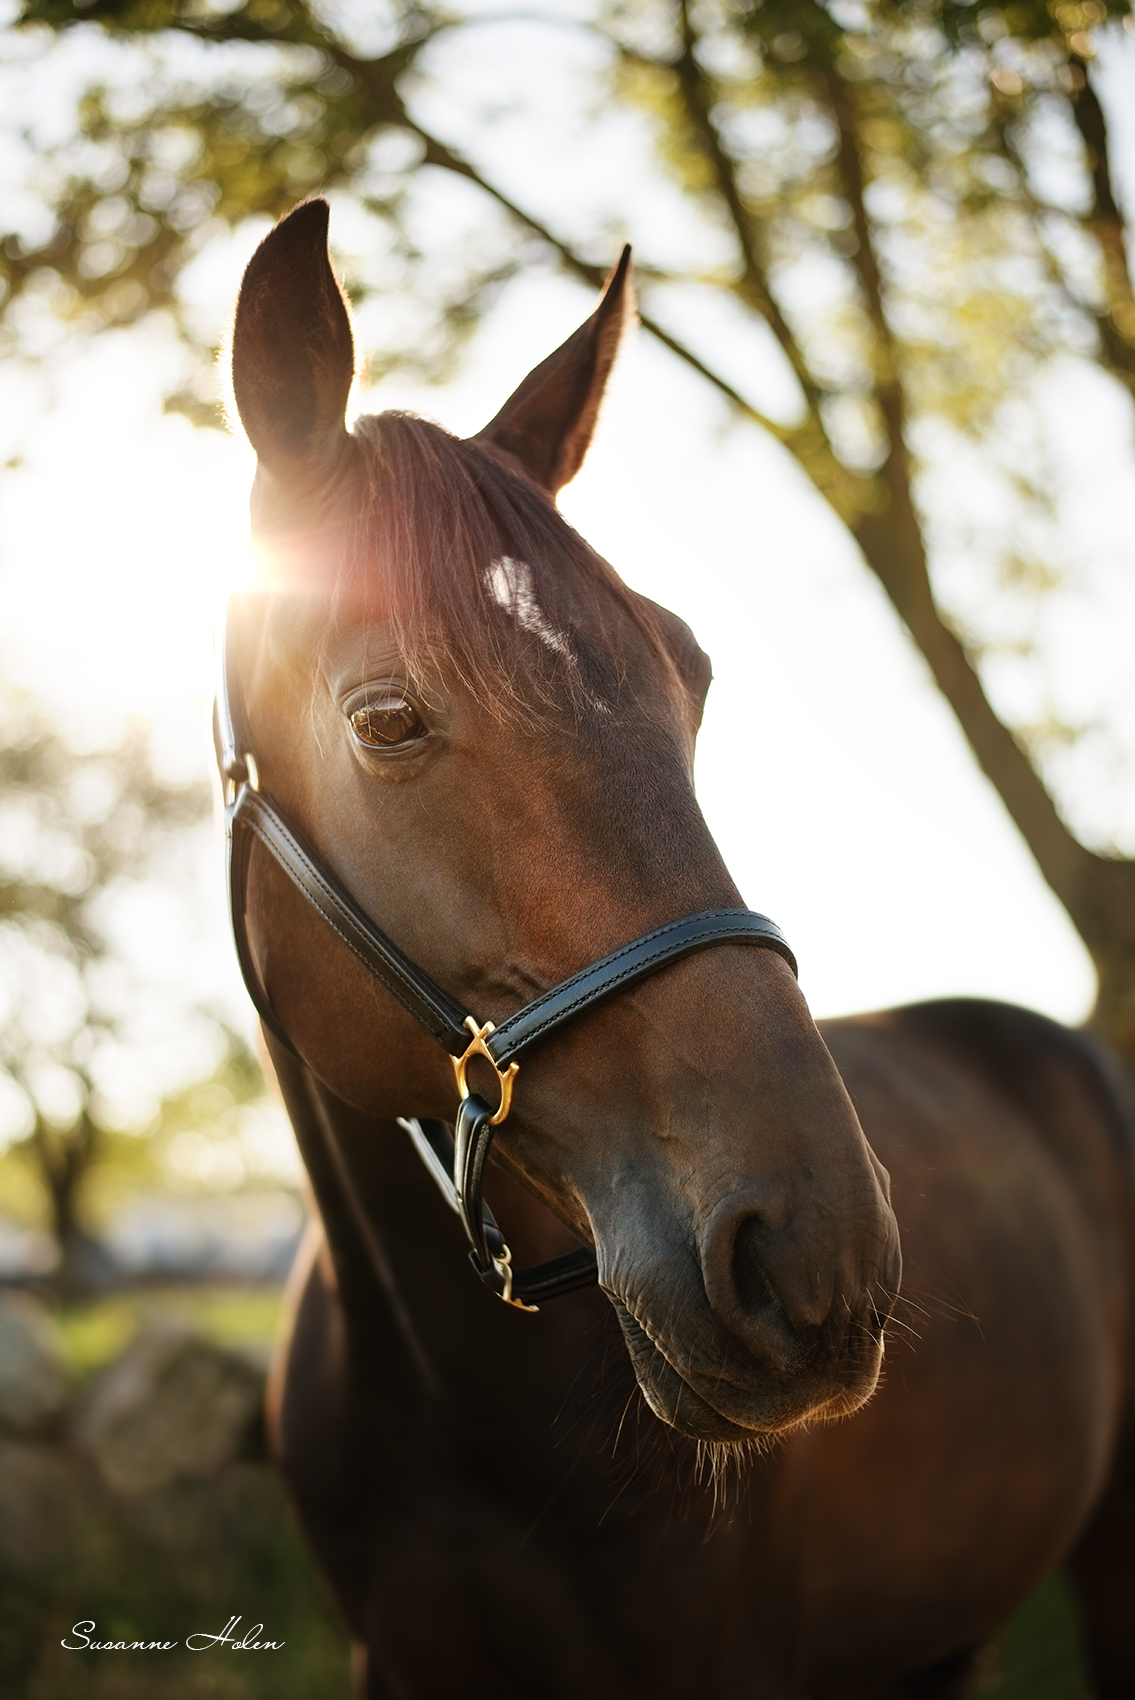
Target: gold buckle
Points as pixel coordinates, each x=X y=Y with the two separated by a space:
x=478 y=1048
x=503 y=1267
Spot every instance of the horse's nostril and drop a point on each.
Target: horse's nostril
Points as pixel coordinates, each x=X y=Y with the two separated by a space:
x=750 y=1278
x=765 y=1317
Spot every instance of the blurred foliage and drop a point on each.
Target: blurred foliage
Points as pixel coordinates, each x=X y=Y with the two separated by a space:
x=891 y=150
x=215 y=117
x=91 y=1052
x=891 y=140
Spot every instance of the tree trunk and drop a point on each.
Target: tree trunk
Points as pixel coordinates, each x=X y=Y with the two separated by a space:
x=65 y=1160
x=1097 y=891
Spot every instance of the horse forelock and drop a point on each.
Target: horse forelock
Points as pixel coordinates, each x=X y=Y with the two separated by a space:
x=473 y=568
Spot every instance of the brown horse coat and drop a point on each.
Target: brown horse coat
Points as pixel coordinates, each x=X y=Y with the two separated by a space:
x=496 y=1509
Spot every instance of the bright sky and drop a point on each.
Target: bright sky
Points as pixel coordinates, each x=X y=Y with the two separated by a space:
x=833 y=776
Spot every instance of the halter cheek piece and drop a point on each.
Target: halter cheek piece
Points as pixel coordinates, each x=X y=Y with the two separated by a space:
x=455 y=1160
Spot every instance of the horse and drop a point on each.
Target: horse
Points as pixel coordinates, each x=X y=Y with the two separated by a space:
x=458 y=757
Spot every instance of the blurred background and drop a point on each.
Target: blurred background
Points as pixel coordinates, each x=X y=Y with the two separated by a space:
x=873 y=440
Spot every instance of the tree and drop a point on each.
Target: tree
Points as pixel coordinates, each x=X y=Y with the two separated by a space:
x=89 y=1045
x=912 y=117
x=915 y=177
x=894 y=150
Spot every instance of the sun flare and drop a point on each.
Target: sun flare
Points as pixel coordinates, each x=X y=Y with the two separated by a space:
x=122 y=538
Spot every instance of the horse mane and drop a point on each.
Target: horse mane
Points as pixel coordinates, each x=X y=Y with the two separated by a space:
x=474 y=567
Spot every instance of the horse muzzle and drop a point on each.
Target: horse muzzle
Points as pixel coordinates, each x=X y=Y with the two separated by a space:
x=755 y=1326
x=721 y=1396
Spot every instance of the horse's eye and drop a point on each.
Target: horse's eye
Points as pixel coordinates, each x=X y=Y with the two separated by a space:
x=387 y=724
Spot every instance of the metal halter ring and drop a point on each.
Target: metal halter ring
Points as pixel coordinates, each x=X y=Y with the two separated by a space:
x=478 y=1048
x=503 y=1267
x=242 y=770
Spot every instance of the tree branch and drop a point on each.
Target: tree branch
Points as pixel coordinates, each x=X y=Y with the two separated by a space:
x=1105 y=221
x=753 y=285
x=894 y=548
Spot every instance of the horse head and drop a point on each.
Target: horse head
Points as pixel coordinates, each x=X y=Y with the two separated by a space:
x=489 y=738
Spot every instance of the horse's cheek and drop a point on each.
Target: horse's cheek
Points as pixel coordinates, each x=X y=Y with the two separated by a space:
x=322 y=994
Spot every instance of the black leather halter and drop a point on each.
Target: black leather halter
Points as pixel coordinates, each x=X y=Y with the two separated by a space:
x=455 y=1160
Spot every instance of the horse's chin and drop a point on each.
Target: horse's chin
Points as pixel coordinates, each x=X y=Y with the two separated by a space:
x=759 y=1412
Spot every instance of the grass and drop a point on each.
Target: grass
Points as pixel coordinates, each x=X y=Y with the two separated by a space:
x=162 y=1565
x=166 y=1566
x=1039 y=1655
x=96 y=1331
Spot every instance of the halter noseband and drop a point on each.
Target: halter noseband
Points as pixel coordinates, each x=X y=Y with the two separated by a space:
x=455 y=1161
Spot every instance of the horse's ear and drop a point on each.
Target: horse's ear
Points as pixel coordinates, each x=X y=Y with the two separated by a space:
x=293 y=354
x=547 y=424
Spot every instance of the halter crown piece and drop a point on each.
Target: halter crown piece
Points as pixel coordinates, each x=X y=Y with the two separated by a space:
x=456 y=1160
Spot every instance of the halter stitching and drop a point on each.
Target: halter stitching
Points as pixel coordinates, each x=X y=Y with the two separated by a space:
x=617 y=979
